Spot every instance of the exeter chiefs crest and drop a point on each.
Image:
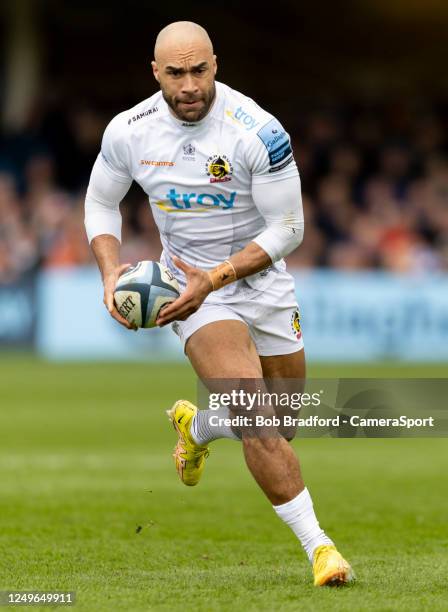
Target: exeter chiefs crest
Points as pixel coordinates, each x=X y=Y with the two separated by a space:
x=219 y=169
x=295 y=324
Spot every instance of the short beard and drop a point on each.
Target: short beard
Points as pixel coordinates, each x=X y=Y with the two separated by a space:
x=203 y=112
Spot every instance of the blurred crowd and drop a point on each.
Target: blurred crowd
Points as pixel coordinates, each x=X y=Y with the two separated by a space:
x=374 y=185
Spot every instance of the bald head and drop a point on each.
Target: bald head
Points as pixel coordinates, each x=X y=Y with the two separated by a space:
x=185 y=68
x=180 y=36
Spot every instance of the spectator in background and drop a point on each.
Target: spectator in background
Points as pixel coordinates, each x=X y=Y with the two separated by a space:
x=375 y=192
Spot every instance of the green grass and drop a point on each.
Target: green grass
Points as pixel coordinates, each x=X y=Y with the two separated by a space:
x=85 y=459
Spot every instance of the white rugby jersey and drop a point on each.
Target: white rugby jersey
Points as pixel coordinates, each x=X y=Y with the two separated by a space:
x=199 y=178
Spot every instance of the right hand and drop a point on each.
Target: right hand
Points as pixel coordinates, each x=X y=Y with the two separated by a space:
x=110 y=282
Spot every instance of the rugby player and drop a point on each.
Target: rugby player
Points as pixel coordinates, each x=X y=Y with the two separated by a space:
x=224 y=190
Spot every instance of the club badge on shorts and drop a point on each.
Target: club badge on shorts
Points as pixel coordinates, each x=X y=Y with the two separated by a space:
x=295 y=324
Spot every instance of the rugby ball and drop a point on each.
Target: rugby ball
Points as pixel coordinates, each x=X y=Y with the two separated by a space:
x=143 y=290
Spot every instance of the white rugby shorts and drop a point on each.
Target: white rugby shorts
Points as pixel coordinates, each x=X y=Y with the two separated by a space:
x=272 y=317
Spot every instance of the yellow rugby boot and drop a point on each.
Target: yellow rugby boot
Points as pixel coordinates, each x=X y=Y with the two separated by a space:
x=189 y=457
x=330 y=568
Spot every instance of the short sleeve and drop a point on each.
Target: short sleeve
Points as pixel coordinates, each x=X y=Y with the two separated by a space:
x=269 y=153
x=114 y=152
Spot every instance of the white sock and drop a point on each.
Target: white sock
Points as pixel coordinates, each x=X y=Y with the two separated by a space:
x=299 y=515
x=203 y=432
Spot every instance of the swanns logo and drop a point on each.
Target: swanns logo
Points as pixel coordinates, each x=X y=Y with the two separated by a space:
x=192 y=202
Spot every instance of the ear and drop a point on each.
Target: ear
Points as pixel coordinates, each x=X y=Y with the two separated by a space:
x=215 y=65
x=155 y=71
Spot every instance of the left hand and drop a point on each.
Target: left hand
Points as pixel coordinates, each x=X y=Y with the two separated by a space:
x=198 y=287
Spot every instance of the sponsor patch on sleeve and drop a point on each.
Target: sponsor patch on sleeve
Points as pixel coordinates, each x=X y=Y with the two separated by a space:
x=283 y=165
x=276 y=141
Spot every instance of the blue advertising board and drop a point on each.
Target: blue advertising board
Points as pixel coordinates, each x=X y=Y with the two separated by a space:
x=360 y=316
x=17 y=312
x=367 y=316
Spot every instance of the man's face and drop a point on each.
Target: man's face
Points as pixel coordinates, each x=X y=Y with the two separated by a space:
x=187 y=81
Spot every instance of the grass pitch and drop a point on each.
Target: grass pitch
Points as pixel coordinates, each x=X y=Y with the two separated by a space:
x=90 y=501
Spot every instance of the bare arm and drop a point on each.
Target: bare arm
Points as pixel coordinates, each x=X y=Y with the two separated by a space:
x=248 y=261
x=106 y=249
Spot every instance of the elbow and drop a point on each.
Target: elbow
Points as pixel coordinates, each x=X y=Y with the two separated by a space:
x=287 y=244
x=298 y=237
x=295 y=239
x=293 y=228
x=280 y=240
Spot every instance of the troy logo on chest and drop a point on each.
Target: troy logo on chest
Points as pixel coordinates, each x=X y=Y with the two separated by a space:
x=193 y=202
